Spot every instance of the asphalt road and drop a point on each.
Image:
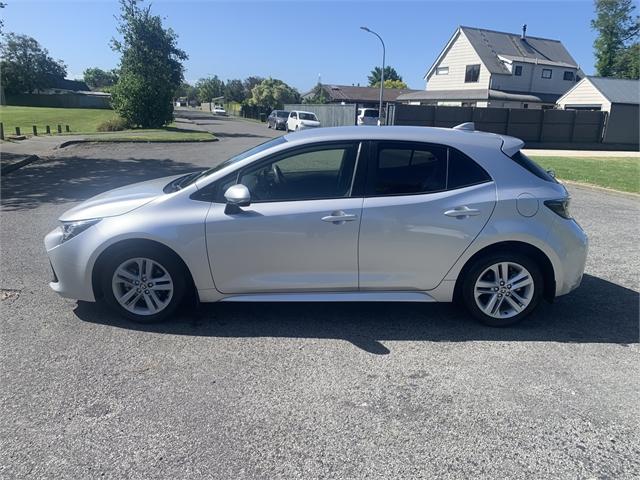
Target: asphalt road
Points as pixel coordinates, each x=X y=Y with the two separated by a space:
x=237 y=391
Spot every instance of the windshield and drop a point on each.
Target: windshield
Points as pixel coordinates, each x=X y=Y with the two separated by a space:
x=282 y=114
x=371 y=113
x=241 y=156
x=307 y=116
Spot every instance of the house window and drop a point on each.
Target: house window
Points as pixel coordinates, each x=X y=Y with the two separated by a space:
x=472 y=73
x=442 y=71
x=568 y=76
x=517 y=70
x=546 y=73
x=525 y=105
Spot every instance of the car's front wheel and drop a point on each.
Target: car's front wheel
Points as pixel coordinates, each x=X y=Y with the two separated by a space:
x=145 y=285
x=502 y=289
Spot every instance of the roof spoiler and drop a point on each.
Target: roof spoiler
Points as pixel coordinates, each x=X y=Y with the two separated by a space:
x=511 y=145
x=467 y=126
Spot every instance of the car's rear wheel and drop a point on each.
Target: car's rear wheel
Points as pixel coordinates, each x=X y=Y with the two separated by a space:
x=145 y=285
x=502 y=289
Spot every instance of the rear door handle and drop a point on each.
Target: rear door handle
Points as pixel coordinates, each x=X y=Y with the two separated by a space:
x=339 y=217
x=462 y=212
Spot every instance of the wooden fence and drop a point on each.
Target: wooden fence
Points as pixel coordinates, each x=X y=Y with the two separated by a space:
x=532 y=126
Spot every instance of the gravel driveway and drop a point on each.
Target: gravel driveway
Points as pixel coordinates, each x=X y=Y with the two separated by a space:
x=237 y=391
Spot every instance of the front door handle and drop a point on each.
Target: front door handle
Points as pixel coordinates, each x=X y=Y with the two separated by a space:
x=339 y=217
x=462 y=212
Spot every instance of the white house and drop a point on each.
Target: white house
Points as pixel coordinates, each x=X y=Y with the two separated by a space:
x=619 y=97
x=485 y=68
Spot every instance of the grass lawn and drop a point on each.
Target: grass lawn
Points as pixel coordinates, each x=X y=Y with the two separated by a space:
x=85 y=121
x=80 y=120
x=618 y=173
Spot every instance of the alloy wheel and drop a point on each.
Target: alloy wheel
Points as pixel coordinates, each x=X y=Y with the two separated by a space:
x=504 y=289
x=142 y=286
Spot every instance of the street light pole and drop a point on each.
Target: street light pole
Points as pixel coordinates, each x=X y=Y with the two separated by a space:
x=381 y=72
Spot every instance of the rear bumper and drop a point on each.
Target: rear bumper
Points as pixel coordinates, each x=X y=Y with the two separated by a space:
x=571 y=244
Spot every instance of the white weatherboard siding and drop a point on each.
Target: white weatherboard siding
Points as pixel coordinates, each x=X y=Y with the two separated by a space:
x=584 y=94
x=531 y=80
x=460 y=54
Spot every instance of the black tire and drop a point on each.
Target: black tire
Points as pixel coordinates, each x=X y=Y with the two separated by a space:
x=479 y=266
x=168 y=261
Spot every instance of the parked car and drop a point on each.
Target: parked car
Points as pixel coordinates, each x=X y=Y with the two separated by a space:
x=218 y=110
x=299 y=120
x=367 y=116
x=394 y=214
x=278 y=119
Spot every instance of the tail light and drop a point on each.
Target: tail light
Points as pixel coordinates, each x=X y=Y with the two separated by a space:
x=560 y=206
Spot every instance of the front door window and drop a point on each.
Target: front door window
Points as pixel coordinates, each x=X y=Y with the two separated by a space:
x=324 y=172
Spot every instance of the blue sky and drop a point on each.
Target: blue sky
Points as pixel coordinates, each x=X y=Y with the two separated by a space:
x=297 y=40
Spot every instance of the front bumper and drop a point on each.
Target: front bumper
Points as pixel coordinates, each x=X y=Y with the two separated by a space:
x=69 y=265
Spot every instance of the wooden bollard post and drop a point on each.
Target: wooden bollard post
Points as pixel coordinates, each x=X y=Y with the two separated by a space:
x=59 y=128
x=1 y=131
x=67 y=128
x=48 y=129
x=18 y=131
x=35 y=131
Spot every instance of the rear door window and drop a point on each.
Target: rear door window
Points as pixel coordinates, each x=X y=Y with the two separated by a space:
x=408 y=169
x=415 y=168
x=463 y=171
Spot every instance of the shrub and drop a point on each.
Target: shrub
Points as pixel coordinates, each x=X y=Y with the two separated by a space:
x=115 y=124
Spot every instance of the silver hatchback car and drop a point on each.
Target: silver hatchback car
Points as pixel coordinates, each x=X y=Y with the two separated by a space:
x=392 y=214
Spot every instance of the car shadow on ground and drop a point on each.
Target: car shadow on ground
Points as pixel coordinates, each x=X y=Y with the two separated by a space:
x=72 y=179
x=598 y=312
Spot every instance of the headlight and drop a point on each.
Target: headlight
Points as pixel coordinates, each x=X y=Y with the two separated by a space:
x=71 y=229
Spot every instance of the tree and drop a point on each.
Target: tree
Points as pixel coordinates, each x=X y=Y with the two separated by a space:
x=209 y=88
x=234 y=91
x=272 y=94
x=617 y=40
x=2 y=5
x=188 y=91
x=319 y=96
x=389 y=74
x=249 y=83
x=97 y=78
x=150 y=68
x=391 y=84
x=26 y=67
x=629 y=62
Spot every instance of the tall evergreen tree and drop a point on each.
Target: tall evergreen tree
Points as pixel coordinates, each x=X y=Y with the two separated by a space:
x=150 y=68
x=389 y=74
x=616 y=47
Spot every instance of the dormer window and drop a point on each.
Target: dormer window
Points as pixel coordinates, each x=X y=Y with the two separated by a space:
x=568 y=75
x=546 y=73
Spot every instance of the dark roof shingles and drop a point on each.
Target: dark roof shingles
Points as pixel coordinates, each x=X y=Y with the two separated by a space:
x=489 y=44
x=618 y=90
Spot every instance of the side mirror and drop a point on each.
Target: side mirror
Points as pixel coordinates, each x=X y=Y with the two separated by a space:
x=237 y=196
x=552 y=173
